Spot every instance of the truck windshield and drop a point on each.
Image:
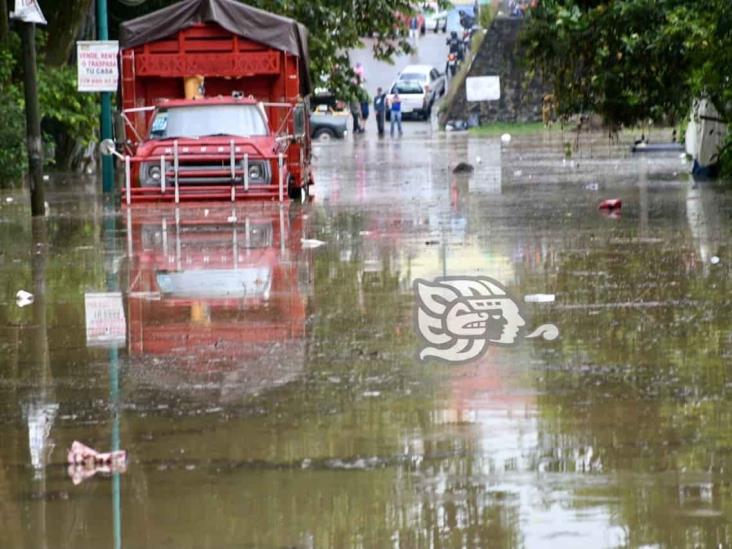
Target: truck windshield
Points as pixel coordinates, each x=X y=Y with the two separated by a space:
x=207 y=120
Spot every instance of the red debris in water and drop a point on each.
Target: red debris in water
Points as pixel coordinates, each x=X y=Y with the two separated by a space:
x=610 y=204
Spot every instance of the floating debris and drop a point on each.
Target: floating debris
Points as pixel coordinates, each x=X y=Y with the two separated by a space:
x=23 y=298
x=610 y=204
x=539 y=298
x=506 y=138
x=311 y=243
x=463 y=167
x=85 y=462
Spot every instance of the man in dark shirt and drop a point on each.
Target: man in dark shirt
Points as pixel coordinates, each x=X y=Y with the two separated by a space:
x=380 y=109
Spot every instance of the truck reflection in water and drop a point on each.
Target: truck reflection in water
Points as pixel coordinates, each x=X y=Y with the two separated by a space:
x=217 y=298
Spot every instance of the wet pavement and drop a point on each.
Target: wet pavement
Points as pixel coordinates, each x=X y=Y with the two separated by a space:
x=268 y=388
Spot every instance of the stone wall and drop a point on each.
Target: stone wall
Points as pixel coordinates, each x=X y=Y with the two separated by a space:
x=500 y=54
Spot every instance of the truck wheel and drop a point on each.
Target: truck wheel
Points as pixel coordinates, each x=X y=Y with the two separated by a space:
x=324 y=134
x=296 y=193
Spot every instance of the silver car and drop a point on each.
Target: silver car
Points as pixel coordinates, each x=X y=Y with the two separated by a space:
x=419 y=87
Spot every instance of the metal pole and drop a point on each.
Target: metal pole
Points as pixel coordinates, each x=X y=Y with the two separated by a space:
x=246 y=172
x=106 y=99
x=281 y=175
x=128 y=177
x=33 y=119
x=175 y=171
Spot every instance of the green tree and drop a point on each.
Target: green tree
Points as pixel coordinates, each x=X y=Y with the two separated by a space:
x=634 y=60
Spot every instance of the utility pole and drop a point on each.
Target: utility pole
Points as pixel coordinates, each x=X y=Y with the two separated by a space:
x=33 y=119
x=106 y=97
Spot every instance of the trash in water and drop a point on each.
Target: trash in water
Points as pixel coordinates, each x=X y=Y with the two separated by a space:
x=478 y=160
x=506 y=138
x=311 y=243
x=714 y=260
x=85 y=462
x=539 y=298
x=23 y=298
x=592 y=186
x=46 y=177
x=456 y=125
x=463 y=167
x=610 y=204
x=231 y=219
x=8 y=199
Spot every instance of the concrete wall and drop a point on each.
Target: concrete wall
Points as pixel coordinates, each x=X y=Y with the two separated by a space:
x=501 y=55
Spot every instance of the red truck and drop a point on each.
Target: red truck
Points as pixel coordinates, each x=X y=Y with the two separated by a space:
x=214 y=99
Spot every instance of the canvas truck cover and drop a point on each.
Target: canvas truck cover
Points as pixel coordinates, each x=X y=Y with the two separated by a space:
x=251 y=23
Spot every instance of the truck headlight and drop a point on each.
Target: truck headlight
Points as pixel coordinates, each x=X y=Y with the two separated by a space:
x=258 y=172
x=255 y=172
x=149 y=174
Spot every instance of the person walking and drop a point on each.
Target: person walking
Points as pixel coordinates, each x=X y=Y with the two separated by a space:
x=413 y=28
x=364 y=97
x=380 y=110
x=395 y=114
x=355 y=108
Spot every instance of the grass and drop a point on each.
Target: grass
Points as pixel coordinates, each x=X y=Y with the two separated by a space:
x=514 y=128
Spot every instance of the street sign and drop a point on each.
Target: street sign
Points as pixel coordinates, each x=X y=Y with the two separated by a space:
x=97 y=66
x=105 y=319
x=483 y=88
x=28 y=11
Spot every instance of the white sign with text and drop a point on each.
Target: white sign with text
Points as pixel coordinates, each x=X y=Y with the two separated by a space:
x=105 y=319
x=97 y=65
x=483 y=88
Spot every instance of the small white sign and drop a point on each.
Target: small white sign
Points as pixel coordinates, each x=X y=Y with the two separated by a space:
x=97 y=66
x=105 y=319
x=483 y=88
x=28 y=11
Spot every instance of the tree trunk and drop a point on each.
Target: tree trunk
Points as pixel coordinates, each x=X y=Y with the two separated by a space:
x=64 y=20
x=4 y=27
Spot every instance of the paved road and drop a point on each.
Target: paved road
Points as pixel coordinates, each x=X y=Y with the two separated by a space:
x=430 y=49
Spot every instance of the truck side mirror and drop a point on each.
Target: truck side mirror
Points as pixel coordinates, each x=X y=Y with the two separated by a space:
x=107 y=147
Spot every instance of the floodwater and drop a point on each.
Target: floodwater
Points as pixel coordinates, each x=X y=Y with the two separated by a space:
x=268 y=388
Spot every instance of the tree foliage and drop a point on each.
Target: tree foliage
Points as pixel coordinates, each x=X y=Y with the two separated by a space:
x=67 y=115
x=633 y=61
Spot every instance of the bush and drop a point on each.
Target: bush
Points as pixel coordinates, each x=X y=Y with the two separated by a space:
x=13 y=160
x=69 y=118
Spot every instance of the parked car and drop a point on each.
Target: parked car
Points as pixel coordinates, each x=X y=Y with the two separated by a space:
x=328 y=117
x=435 y=18
x=419 y=87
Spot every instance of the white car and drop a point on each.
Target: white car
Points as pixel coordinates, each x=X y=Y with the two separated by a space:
x=419 y=87
x=434 y=18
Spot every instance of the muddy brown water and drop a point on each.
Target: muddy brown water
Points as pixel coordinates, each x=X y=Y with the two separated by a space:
x=268 y=389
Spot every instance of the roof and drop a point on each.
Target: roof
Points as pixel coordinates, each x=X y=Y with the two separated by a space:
x=272 y=30
x=417 y=68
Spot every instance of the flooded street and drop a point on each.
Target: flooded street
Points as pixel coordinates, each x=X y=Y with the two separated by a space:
x=260 y=363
